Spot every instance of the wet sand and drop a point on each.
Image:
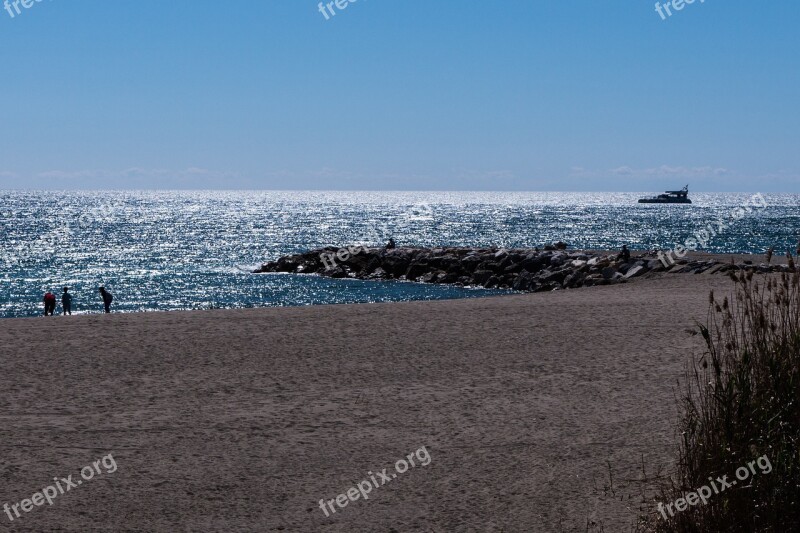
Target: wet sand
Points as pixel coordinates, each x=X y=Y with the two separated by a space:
x=243 y=420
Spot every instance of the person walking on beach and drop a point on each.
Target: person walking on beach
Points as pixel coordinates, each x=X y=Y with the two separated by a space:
x=107 y=299
x=49 y=303
x=66 y=302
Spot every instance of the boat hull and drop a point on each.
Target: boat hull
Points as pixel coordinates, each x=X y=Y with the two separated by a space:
x=656 y=201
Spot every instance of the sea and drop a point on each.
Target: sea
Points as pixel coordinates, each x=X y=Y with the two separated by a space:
x=181 y=250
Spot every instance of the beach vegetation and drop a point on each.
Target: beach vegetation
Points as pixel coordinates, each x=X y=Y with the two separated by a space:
x=741 y=401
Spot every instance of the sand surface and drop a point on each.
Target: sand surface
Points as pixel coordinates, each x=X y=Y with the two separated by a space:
x=243 y=420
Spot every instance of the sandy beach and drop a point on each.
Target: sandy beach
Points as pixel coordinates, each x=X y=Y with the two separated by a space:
x=244 y=420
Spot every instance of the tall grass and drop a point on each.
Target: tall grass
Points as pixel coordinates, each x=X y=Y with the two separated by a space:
x=742 y=401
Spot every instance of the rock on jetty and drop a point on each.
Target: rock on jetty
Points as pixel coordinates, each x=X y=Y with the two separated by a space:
x=530 y=270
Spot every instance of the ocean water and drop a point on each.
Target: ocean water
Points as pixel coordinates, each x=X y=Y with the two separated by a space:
x=159 y=251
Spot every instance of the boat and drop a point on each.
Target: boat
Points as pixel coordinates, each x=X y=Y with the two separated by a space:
x=669 y=197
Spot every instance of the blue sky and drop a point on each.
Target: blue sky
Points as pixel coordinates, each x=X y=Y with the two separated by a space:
x=401 y=94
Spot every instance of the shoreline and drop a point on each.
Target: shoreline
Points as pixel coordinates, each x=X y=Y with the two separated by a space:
x=691 y=262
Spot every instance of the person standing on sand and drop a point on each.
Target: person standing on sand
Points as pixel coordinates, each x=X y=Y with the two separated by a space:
x=66 y=302
x=49 y=303
x=107 y=299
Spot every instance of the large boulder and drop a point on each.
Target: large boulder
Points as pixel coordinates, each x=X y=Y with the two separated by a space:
x=494 y=266
x=608 y=272
x=335 y=272
x=373 y=264
x=395 y=265
x=716 y=268
x=358 y=262
x=533 y=263
x=507 y=281
x=523 y=281
x=378 y=273
x=624 y=267
x=287 y=264
x=554 y=277
x=445 y=262
x=428 y=277
x=505 y=263
x=574 y=280
x=547 y=287
x=635 y=271
x=593 y=279
x=471 y=262
x=492 y=282
x=415 y=270
x=447 y=277
x=482 y=276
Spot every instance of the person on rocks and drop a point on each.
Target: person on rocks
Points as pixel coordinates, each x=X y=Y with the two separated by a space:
x=49 y=303
x=625 y=254
x=107 y=298
x=391 y=245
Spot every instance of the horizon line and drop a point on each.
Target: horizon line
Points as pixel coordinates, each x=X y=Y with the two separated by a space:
x=377 y=190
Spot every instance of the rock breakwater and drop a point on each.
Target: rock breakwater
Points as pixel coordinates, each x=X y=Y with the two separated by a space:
x=531 y=270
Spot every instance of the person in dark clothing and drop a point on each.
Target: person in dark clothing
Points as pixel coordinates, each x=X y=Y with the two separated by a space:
x=625 y=254
x=49 y=303
x=66 y=302
x=107 y=299
x=391 y=245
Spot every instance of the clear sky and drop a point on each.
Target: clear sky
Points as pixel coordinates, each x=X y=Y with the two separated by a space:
x=595 y=95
